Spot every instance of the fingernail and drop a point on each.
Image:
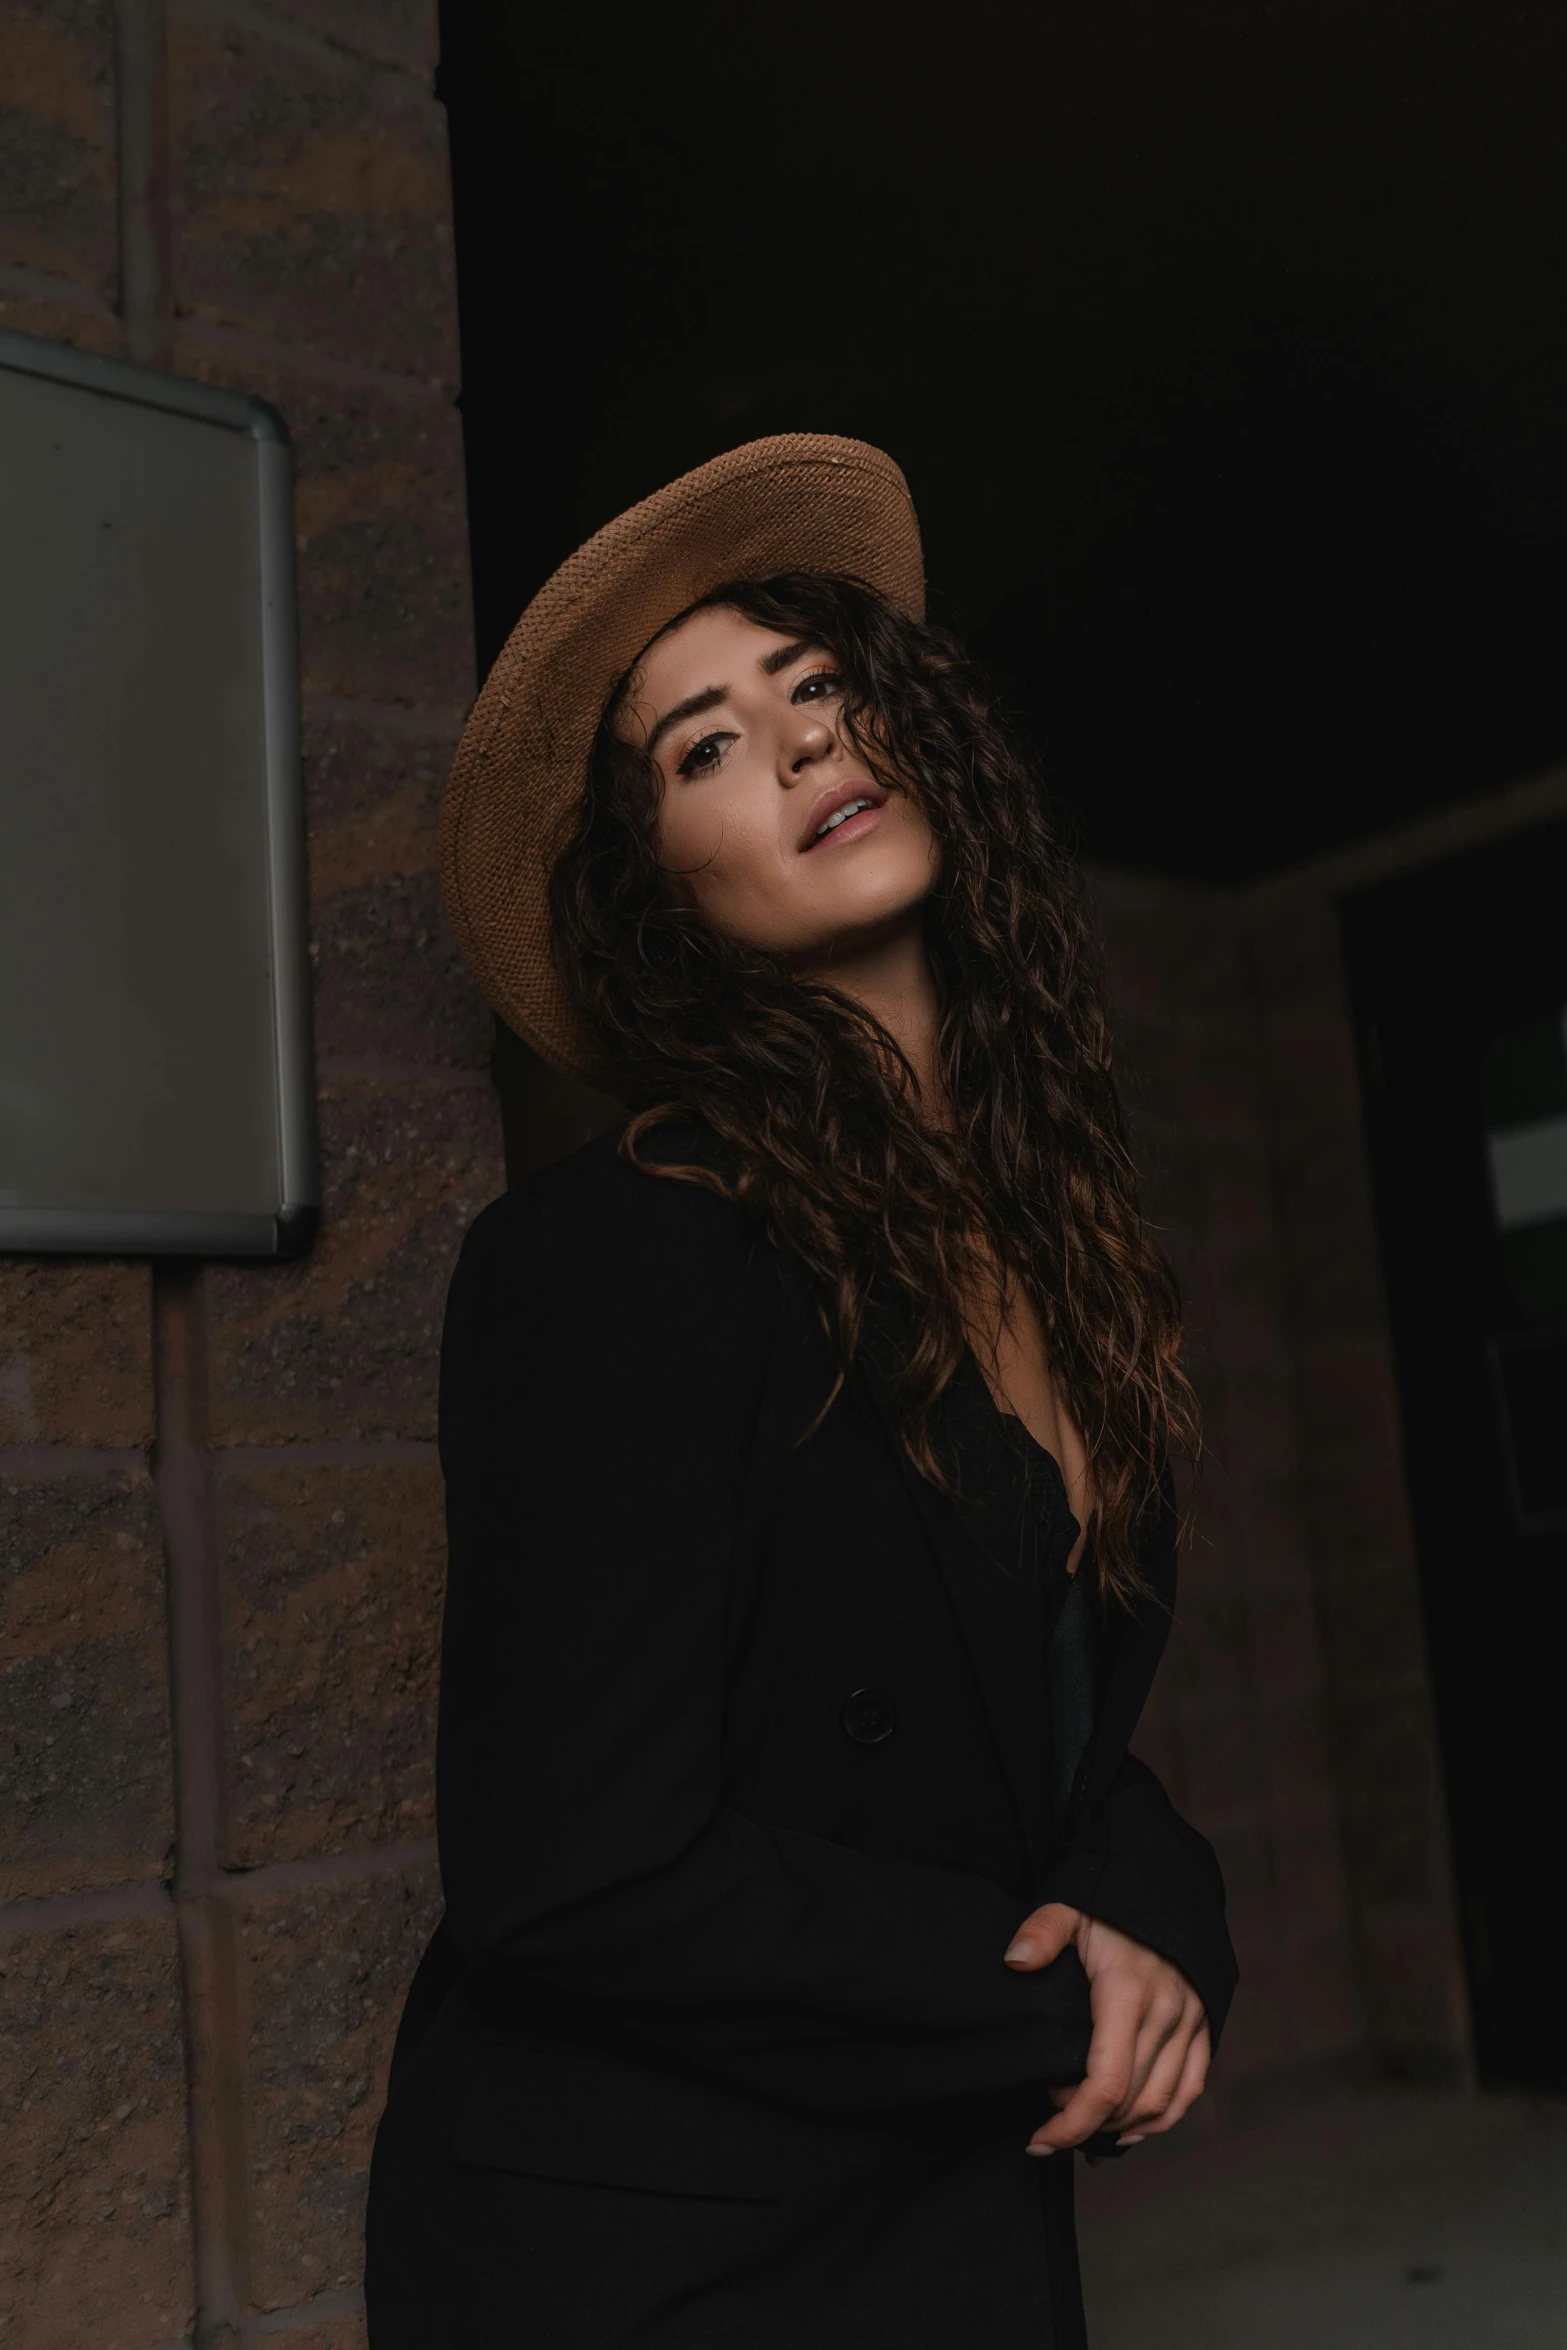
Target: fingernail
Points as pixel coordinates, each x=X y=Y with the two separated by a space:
x=1019 y=1949
x=1134 y=2141
x=1041 y=2150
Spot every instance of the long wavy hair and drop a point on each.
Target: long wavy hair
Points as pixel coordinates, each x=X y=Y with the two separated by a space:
x=908 y=1221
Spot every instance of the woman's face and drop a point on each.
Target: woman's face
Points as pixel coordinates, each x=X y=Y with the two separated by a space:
x=769 y=815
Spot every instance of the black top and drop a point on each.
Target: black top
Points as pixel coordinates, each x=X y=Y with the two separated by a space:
x=1070 y=1624
x=744 y=1785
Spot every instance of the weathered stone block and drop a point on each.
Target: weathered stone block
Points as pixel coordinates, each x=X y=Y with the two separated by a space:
x=326 y=1972
x=345 y=1343
x=403 y=33
x=75 y=1352
x=1223 y=1761
x=94 y=2197
x=381 y=531
x=314 y=197
x=1377 y=1637
x=85 y=1791
x=1206 y=1658
x=1257 y=2034
x=61 y=322
x=1286 y=1660
x=331 y=1602
x=1415 y=1987
x=57 y=152
x=1295 y=1764
x=388 y=980
x=1325 y=2007
x=330 y=2333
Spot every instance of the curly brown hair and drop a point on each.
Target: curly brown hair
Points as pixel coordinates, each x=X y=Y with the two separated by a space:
x=903 y=1220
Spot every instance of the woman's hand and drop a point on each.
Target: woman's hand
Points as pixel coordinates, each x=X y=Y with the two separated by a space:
x=1148 y=2058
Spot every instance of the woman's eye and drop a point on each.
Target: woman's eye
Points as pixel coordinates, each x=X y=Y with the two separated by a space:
x=817 y=686
x=704 y=756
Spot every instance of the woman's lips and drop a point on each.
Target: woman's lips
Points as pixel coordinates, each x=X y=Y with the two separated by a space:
x=843 y=815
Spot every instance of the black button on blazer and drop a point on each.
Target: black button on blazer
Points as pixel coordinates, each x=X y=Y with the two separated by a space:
x=743 y=1788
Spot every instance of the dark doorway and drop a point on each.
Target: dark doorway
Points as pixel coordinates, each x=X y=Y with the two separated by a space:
x=1459 y=980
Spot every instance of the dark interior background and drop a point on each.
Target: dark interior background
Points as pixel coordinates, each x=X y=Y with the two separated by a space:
x=1225 y=348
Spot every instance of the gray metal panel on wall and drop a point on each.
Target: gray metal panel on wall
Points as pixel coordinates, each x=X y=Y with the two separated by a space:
x=155 y=1082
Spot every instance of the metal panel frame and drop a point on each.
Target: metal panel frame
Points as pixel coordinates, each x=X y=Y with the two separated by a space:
x=119 y=1232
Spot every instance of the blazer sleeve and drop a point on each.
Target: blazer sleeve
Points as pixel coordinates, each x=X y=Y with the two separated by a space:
x=1144 y=1870
x=604 y=1368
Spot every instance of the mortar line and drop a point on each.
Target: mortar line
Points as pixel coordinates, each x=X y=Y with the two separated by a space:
x=214 y=2052
x=398 y=1453
x=71 y=1460
x=375 y=1072
x=103 y=1905
x=142 y=125
x=337 y=56
x=330 y=1868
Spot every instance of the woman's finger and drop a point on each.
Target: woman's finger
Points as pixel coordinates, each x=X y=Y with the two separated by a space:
x=1159 y=2025
x=1103 y=2088
x=1190 y=2086
x=1042 y=1937
x=1152 y=2095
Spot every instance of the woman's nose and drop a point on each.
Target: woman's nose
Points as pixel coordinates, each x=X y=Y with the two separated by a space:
x=807 y=741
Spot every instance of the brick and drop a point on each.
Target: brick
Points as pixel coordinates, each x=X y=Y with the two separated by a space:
x=402 y=33
x=1309 y=1875
x=85 y=1792
x=1257 y=2036
x=326 y=1973
x=60 y=322
x=1223 y=1762
x=1245 y=1850
x=1295 y=1765
x=380 y=528
x=75 y=1352
x=332 y=2333
x=1207 y=1651
x=1414 y=1984
x=1397 y=1861
x=1325 y=2007
x=1286 y=1661
x=331 y=1606
x=94 y=2196
x=388 y=980
x=344 y=1344
x=57 y=152
x=314 y=197
x=1377 y=1637
x=1386 y=1749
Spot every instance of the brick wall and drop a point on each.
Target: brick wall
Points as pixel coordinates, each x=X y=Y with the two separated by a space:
x=1293 y=1718
x=221 y=1557
x=1239 y=1724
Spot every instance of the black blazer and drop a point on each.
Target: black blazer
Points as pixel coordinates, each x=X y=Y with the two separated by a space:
x=743 y=1788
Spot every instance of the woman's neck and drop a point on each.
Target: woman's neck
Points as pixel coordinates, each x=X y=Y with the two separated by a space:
x=889 y=973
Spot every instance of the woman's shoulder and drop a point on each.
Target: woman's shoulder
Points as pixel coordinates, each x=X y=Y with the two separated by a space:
x=670 y=1212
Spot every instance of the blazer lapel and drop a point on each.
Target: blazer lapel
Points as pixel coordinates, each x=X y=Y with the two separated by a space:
x=983 y=1548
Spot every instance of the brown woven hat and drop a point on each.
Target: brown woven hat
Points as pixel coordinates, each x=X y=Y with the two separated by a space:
x=799 y=502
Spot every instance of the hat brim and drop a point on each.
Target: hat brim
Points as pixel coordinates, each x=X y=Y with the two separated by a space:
x=798 y=502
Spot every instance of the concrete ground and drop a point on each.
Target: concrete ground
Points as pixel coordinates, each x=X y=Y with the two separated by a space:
x=1393 y=2221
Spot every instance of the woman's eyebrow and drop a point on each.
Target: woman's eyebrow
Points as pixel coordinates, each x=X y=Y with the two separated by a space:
x=771 y=663
x=692 y=707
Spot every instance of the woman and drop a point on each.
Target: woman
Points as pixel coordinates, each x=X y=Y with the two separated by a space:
x=811 y=1549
